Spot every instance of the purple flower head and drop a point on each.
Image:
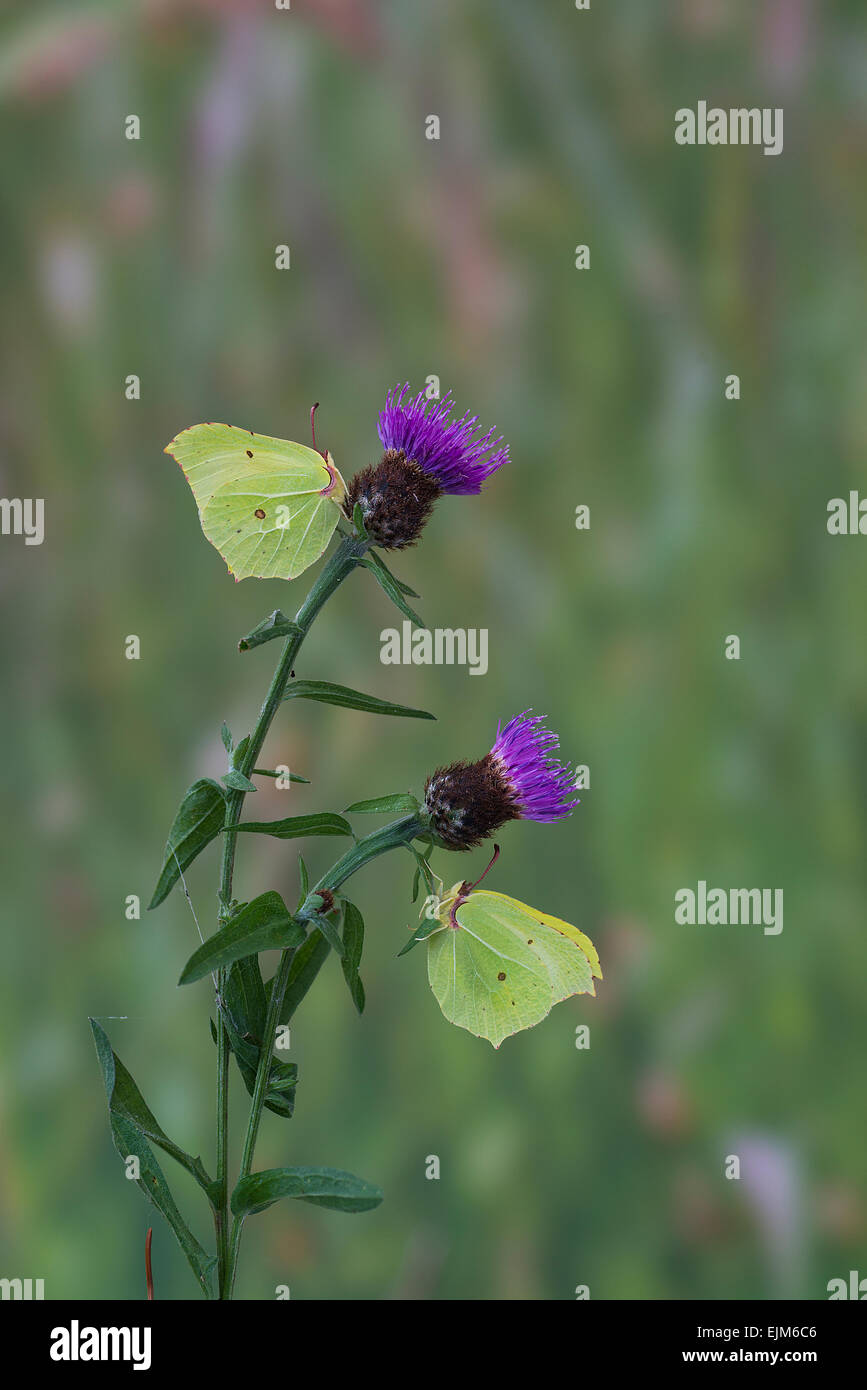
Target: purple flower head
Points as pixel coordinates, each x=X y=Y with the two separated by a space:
x=450 y=451
x=520 y=779
x=526 y=752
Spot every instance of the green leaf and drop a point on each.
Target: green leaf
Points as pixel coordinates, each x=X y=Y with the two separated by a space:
x=329 y=931
x=199 y=818
x=294 y=827
x=304 y=878
x=244 y=998
x=282 y=1076
x=226 y=737
x=358 y=521
x=353 y=699
x=131 y=1121
x=265 y=924
x=271 y=772
x=325 y=1187
x=353 y=943
x=384 y=805
x=423 y=868
x=420 y=934
x=128 y=1140
x=378 y=563
x=240 y=752
x=237 y=782
x=390 y=586
x=125 y=1098
x=275 y=625
x=306 y=964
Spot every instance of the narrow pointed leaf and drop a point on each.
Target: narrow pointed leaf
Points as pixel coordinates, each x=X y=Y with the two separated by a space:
x=352 y=699
x=294 y=827
x=422 y=867
x=226 y=737
x=325 y=1187
x=198 y=820
x=353 y=943
x=358 y=521
x=390 y=586
x=237 y=782
x=129 y=1140
x=304 y=879
x=420 y=934
x=273 y=772
x=275 y=625
x=399 y=803
x=240 y=752
x=245 y=999
x=132 y=1124
x=124 y=1098
x=306 y=964
x=329 y=930
x=265 y=924
x=378 y=563
x=282 y=1076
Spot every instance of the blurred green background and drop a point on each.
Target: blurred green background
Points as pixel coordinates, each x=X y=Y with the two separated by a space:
x=411 y=257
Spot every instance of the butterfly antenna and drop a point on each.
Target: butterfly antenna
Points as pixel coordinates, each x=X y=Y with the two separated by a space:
x=313 y=410
x=494 y=857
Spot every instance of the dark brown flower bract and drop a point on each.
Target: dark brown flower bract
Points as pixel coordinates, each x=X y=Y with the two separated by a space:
x=467 y=802
x=396 y=498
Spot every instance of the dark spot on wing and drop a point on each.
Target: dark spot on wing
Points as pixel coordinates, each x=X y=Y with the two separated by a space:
x=259 y=513
x=529 y=941
x=502 y=975
x=249 y=453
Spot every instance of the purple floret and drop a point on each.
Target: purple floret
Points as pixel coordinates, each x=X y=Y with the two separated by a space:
x=543 y=787
x=445 y=449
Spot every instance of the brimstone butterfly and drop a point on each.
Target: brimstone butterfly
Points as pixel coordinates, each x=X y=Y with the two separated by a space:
x=497 y=966
x=269 y=506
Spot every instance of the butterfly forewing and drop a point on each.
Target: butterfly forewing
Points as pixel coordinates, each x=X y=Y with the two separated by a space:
x=568 y=967
x=262 y=501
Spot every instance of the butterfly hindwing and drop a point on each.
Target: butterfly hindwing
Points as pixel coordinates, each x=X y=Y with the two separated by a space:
x=464 y=967
x=261 y=529
x=268 y=505
x=571 y=971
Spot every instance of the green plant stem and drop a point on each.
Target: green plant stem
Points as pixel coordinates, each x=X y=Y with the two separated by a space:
x=393 y=836
x=341 y=564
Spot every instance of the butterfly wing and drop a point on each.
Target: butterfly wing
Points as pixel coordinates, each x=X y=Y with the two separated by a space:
x=464 y=969
x=563 y=932
x=507 y=965
x=269 y=506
